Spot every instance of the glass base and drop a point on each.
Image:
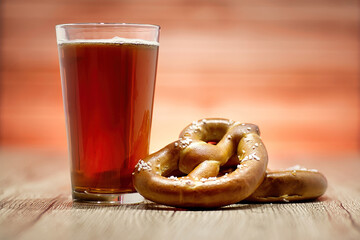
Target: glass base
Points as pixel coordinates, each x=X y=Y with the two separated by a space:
x=106 y=199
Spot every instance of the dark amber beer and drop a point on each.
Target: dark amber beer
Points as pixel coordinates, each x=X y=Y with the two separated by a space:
x=108 y=90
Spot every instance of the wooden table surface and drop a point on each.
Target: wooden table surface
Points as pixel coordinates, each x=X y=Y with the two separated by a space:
x=35 y=203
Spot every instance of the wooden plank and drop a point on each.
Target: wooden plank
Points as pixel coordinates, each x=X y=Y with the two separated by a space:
x=328 y=23
x=292 y=68
x=213 y=11
x=286 y=113
x=35 y=204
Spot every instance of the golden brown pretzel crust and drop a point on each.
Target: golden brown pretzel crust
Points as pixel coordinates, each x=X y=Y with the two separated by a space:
x=290 y=185
x=239 y=152
x=194 y=155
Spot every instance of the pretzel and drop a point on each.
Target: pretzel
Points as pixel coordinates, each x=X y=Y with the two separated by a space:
x=293 y=184
x=193 y=154
x=217 y=175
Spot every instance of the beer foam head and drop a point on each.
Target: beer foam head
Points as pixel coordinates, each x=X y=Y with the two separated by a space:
x=114 y=40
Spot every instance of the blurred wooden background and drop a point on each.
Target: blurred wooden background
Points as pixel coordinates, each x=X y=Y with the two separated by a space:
x=292 y=67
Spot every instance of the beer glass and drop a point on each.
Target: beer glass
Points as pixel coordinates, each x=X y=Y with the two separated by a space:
x=108 y=76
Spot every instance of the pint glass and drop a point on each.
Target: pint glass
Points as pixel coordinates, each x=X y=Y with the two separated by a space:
x=108 y=76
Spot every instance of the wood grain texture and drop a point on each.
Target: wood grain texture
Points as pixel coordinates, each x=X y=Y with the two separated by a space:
x=35 y=203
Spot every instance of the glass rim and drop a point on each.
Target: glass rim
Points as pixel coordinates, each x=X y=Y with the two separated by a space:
x=102 y=24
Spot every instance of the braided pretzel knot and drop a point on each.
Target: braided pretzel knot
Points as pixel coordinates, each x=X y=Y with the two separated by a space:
x=193 y=154
x=217 y=175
